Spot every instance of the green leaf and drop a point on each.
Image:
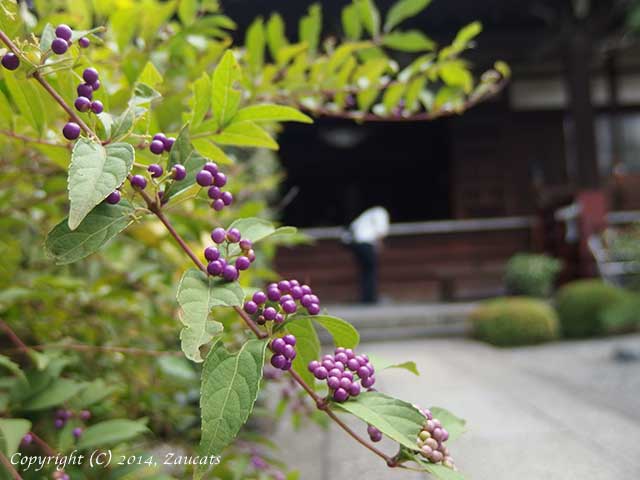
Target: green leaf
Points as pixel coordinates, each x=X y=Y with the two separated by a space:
x=393 y=95
x=343 y=333
x=351 y=22
x=110 y=432
x=91 y=394
x=11 y=432
x=201 y=99
x=47 y=37
x=369 y=16
x=187 y=11
x=402 y=10
x=13 y=367
x=409 y=41
x=410 y=366
x=454 y=425
x=94 y=173
x=177 y=367
x=255 y=43
x=28 y=99
x=225 y=99
x=58 y=392
x=150 y=76
x=440 y=472
x=276 y=38
x=456 y=74
x=102 y=224
x=245 y=134
x=311 y=27
x=254 y=229
x=143 y=94
x=397 y=419
x=123 y=123
x=183 y=153
x=307 y=347
x=270 y=113
x=467 y=33
x=211 y=151
x=230 y=384
x=197 y=294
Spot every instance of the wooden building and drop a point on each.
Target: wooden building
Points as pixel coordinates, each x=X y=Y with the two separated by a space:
x=466 y=193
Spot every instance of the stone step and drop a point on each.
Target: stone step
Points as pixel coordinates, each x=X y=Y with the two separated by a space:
x=397 y=321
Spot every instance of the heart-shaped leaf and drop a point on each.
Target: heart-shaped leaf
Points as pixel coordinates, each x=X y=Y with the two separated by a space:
x=95 y=172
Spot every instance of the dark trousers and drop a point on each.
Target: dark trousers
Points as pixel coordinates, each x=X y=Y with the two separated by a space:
x=367 y=260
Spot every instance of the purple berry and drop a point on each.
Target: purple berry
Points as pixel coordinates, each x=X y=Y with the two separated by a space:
x=160 y=136
x=296 y=292
x=114 y=197
x=245 y=244
x=138 y=181
x=233 y=235
x=289 y=339
x=242 y=263
x=313 y=309
x=82 y=104
x=340 y=395
x=211 y=167
x=85 y=90
x=342 y=358
x=374 y=434
x=259 y=297
x=71 y=131
x=339 y=365
x=178 y=172
x=64 y=31
x=230 y=273
x=289 y=352
x=333 y=383
x=279 y=318
x=278 y=345
x=156 y=171
x=214 y=193
x=211 y=253
x=250 y=307
x=84 y=42
x=215 y=268
x=90 y=75
x=314 y=299
x=306 y=300
x=27 y=439
x=363 y=372
x=313 y=365
x=85 y=415
x=59 y=423
x=220 y=179
x=289 y=306
x=354 y=389
x=273 y=294
x=278 y=361
x=10 y=61
x=270 y=313
x=334 y=372
x=59 y=46
x=348 y=374
x=285 y=298
x=77 y=432
x=156 y=147
x=218 y=235
x=204 y=178
x=345 y=383
x=306 y=289
x=97 y=107
x=227 y=198
x=96 y=85
x=320 y=373
x=368 y=382
x=169 y=143
x=284 y=286
x=217 y=205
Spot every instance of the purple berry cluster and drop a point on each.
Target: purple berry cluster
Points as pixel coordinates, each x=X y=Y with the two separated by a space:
x=283 y=351
x=160 y=144
x=431 y=440
x=62 y=416
x=282 y=299
x=342 y=372
x=211 y=176
x=84 y=102
x=227 y=268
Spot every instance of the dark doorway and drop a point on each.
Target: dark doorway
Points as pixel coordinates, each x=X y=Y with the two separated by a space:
x=339 y=168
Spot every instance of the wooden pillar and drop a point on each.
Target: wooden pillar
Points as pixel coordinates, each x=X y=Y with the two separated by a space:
x=590 y=194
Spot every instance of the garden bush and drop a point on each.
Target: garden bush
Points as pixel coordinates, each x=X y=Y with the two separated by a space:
x=581 y=305
x=513 y=321
x=532 y=275
x=622 y=316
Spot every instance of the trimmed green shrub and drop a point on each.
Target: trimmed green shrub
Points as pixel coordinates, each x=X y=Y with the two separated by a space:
x=623 y=316
x=515 y=321
x=581 y=304
x=531 y=274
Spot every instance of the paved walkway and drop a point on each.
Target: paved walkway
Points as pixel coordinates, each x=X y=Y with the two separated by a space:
x=561 y=411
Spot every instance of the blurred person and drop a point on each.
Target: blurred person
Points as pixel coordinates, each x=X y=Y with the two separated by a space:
x=364 y=237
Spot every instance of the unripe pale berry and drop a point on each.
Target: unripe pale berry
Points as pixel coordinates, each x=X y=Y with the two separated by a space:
x=64 y=31
x=218 y=235
x=178 y=172
x=82 y=104
x=90 y=75
x=156 y=171
x=138 y=181
x=59 y=46
x=97 y=107
x=114 y=197
x=71 y=131
x=156 y=147
x=10 y=61
x=84 y=42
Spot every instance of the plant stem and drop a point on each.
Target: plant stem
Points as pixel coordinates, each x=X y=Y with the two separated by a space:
x=7 y=464
x=80 y=347
x=14 y=338
x=24 y=138
x=44 y=445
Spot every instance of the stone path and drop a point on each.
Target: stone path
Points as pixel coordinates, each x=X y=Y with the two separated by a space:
x=560 y=411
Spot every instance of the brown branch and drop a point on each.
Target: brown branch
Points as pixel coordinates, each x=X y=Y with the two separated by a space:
x=43 y=445
x=7 y=464
x=24 y=138
x=14 y=338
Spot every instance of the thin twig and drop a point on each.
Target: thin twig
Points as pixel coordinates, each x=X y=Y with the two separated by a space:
x=80 y=347
x=44 y=445
x=40 y=141
x=14 y=338
x=7 y=464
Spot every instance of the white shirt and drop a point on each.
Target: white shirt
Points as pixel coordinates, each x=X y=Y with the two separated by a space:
x=371 y=225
